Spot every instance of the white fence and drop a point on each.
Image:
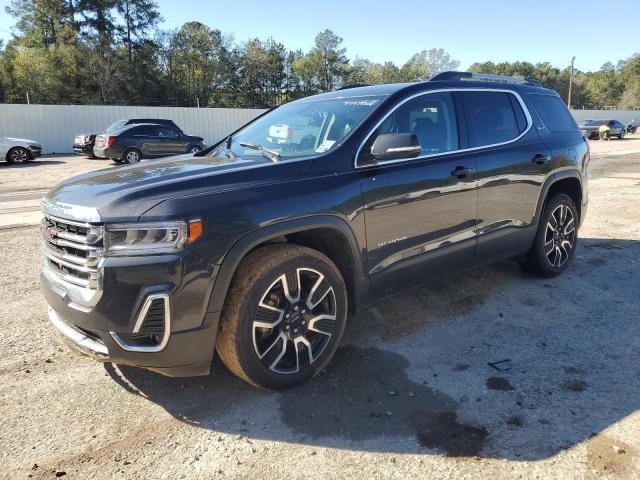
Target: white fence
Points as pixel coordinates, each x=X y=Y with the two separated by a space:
x=54 y=126
x=624 y=116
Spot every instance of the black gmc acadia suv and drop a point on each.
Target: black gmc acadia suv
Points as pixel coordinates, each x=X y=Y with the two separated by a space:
x=262 y=245
x=84 y=142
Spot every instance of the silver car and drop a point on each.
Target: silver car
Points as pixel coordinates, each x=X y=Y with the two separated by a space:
x=19 y=150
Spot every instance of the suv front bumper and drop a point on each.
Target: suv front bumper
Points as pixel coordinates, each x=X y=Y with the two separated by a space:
x=99 y=321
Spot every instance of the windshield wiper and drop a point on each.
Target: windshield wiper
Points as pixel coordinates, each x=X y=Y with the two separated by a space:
x=266 y=152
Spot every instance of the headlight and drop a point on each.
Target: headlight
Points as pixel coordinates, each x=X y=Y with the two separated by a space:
x=150 y=238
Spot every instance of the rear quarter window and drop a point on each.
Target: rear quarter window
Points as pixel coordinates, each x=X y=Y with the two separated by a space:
x=553 y=113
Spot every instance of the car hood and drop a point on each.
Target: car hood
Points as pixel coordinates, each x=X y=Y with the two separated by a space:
x=17 y=140
x=123 y=193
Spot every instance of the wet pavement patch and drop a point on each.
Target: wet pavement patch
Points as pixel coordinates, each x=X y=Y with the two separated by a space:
x=499 y=383
x=460 y=367
x=514 y=420
x=352 y=399
x=575 y=385
x=444 y=432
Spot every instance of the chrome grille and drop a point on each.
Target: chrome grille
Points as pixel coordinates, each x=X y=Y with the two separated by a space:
x=73 y=249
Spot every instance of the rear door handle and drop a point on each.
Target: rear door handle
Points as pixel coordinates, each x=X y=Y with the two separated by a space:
x=461 y=172
x=541 y=159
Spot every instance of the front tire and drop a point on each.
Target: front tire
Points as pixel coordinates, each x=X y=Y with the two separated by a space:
x=556 y=238
x=18 y=155
x=284 y=316
x=193 y=149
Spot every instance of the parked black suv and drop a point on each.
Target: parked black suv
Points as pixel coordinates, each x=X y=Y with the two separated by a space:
x=132 y=143
x=262 y=245
x=83 y=143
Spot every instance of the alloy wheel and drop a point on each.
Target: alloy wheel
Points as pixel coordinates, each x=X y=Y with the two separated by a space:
x=294 y=321
x=19 y=155
x=560 y=236
x=133 y=157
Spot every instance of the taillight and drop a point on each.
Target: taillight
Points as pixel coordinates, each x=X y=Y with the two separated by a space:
x=110 y=141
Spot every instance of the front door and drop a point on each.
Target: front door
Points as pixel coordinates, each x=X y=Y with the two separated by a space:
x=170 y=142
x=420 y=213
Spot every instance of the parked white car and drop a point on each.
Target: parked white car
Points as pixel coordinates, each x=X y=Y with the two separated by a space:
x=19 y=150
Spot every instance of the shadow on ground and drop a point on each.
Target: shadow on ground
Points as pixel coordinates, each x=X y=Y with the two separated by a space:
x=567 y=380
x=30 y=164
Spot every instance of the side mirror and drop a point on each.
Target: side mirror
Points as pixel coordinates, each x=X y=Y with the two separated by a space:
x=392 y=146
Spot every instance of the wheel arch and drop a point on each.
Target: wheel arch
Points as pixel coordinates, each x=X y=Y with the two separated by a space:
x=327 y=234
x=567 y=181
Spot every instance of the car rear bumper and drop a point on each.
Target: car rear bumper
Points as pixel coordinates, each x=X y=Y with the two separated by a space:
x=106 y=152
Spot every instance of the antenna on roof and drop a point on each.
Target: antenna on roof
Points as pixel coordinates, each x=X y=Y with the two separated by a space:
x=488 y=77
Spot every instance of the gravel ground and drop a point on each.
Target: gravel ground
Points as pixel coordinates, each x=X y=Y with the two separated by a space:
x=411 y=393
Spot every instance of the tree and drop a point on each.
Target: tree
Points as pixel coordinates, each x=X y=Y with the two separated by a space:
x=325 y=65
x=140 y=17
x=427 y=63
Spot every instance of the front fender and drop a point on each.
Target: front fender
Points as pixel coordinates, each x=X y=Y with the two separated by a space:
x=254 y=238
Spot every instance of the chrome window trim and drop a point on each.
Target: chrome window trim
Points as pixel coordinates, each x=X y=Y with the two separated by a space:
x=527 y=115
x=140 y=321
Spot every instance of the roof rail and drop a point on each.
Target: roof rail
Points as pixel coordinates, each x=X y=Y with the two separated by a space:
x=490 y=77
x=354 y=85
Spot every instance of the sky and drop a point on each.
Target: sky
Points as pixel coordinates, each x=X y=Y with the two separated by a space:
x=471 y=31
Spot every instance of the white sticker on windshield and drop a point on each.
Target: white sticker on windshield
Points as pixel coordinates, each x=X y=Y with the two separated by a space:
x=324 y=146
x=360 y=103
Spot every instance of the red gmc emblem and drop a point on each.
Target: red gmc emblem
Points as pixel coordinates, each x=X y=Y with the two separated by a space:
x=49 y=234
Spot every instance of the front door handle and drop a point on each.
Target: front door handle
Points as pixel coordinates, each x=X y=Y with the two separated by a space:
x=541 y=159
x=461 y=172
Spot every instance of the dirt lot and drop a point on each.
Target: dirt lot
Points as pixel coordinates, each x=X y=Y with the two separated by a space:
x=412 y=392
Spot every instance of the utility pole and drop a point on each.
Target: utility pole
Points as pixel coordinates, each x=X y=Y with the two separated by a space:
x=28 y=102
x=573 y=59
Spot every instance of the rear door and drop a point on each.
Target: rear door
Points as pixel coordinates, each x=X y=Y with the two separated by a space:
x=512 y=166
x=146 y=139
x=420 y=213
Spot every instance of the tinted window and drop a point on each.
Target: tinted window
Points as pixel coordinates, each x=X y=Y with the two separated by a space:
x=431 y=117
x=146 y=130
x=553 y=113
x=491 y=117
x=165 y=132
x=116 y=125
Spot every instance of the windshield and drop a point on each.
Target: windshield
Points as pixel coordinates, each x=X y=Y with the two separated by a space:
x=596 y=122
x=116 y=125
x=299 y=129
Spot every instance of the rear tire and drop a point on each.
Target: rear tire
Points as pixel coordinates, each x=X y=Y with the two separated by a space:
x=283 y=317
x=556 y=238
x=132 y=155
x=18 y=155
